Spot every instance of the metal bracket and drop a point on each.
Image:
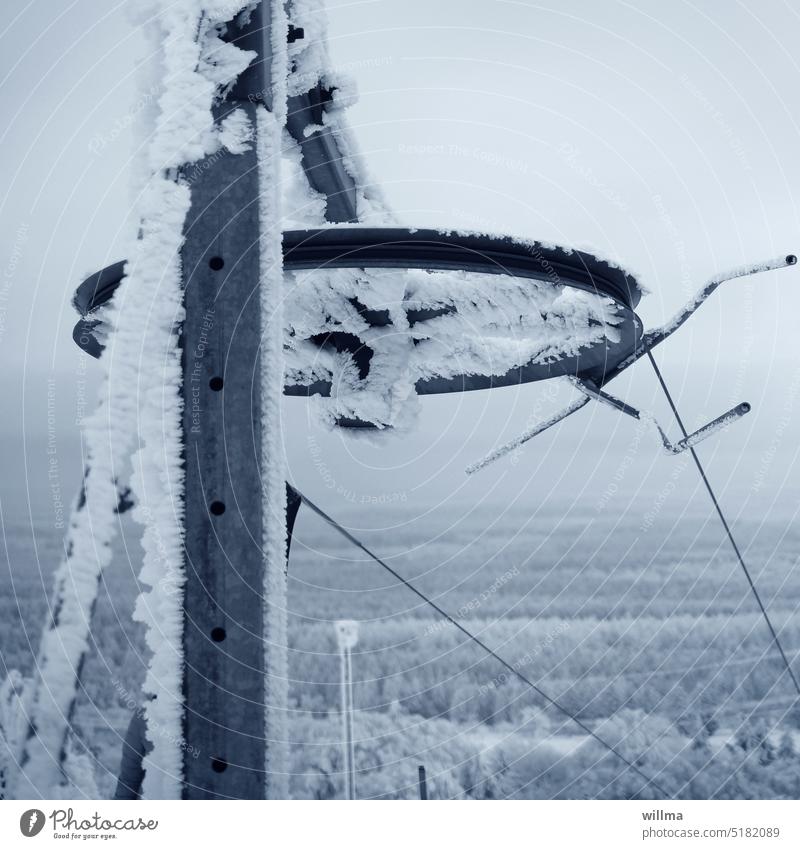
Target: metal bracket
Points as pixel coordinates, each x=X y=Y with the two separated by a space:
x=590 y=390
x=649 y=340
x=529 y=434
x=658 y=334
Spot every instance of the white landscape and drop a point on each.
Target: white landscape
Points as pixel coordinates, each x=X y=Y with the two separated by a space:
x=554 y=595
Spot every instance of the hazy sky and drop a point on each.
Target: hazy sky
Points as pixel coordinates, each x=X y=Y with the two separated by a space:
x=665 y=135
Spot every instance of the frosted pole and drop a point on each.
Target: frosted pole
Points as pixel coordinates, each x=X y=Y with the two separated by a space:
x=273 y=473
x=235 y=635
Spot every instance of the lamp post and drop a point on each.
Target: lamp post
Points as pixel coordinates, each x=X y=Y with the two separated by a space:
x=347 y=637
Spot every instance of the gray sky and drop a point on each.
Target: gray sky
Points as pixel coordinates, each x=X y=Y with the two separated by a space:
x=662 y=134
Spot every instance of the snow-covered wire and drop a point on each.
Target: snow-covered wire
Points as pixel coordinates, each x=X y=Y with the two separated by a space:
x=727 y=528
x=631 y=764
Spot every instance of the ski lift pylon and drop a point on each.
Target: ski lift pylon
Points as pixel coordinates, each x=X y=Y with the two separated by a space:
x=590 y=368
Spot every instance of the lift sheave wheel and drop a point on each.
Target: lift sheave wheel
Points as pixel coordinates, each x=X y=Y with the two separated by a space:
x=386 y=248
